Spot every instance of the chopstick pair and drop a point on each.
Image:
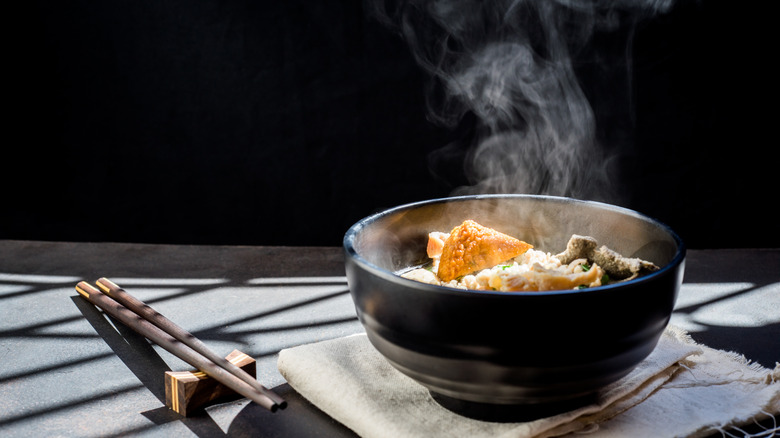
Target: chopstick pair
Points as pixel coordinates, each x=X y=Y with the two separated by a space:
x=157 y=328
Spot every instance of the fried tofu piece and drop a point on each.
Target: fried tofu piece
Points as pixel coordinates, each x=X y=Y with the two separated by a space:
x=471 y=247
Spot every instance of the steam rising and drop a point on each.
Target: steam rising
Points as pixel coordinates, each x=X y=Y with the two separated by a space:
x=510 y=66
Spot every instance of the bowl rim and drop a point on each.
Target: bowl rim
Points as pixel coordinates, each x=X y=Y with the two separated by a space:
x=349 y=238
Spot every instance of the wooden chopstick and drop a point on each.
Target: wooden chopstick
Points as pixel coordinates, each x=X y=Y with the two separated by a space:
x=126 y=299
x=176 y=347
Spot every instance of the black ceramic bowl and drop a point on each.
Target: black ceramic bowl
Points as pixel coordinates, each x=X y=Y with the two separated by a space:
x=516 y=348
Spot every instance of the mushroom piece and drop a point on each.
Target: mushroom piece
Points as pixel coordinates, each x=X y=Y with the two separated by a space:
x=616 y=265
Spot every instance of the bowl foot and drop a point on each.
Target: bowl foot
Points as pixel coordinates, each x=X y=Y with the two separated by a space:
x=510 y=413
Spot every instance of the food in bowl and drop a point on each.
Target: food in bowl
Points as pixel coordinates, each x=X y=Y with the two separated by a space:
x=476 y=257
x=511 y=349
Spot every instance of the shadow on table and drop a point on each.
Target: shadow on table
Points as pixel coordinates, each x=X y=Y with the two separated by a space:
x=732 y=339
x=300 y=418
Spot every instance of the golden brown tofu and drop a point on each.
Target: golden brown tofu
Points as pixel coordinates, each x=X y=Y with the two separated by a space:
x=471 y=247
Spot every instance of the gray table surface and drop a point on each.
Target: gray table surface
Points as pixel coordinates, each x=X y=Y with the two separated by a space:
x=67 y=370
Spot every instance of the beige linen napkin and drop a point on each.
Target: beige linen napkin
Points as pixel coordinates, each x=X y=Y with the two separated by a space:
x=681 y=389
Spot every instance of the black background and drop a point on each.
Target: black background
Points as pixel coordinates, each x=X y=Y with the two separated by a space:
x=283 y=123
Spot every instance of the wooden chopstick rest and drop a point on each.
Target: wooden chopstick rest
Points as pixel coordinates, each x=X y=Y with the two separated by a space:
x=188 y=391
